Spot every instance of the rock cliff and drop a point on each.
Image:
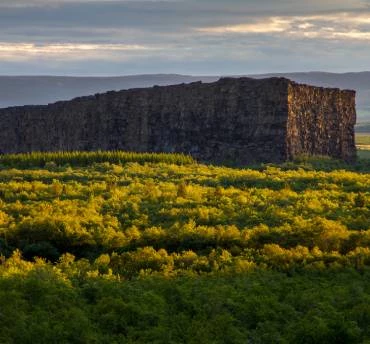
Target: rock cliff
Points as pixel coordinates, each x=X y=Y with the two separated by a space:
x=321 y=122
x=238 y=121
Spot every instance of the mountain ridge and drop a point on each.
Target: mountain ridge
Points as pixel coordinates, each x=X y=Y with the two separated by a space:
x=42 y=90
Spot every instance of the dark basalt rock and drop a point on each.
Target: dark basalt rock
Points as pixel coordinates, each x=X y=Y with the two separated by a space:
x=237 y=121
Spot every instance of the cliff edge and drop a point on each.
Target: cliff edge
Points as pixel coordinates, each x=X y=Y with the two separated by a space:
x=239 y=121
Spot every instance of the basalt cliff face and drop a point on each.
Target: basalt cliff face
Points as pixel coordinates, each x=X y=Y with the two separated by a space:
x=238 y=121
x=321 y=122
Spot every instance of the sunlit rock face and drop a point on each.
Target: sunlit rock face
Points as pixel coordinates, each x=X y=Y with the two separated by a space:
x=321 y=122
x=234 y=121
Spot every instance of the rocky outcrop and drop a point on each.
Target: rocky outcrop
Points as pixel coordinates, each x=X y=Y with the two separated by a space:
x=238 y=121
x=321 y=122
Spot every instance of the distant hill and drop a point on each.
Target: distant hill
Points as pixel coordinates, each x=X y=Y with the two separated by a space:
x=40 y=90
x=29 y=90
x=363 y=127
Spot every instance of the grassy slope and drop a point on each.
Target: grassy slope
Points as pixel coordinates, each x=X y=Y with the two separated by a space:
x=177 y=252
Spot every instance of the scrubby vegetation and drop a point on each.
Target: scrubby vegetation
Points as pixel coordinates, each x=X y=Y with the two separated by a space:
x=125 y=248
x=75 y=158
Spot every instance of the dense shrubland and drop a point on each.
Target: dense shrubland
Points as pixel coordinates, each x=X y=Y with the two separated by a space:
x=156 y=248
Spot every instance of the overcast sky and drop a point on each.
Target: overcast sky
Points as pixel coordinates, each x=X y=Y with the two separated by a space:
x=207 y=37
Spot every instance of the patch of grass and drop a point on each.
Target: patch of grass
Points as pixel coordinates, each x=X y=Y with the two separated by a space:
x=363 y=139
x=363 y=154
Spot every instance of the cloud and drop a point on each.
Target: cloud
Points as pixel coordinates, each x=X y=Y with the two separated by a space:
x=26 y=51
x=274 y=24
x=338 y=26
x=57 y=3
x=185 y=36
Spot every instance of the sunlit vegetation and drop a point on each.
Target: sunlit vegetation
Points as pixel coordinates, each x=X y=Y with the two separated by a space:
x=363 y=139
x=86 y=158
x=117 y=247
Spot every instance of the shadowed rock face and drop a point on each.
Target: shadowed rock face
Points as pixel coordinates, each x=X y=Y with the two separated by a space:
x=236 y=121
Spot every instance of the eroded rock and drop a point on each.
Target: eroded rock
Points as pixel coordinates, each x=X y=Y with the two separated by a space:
x=238 y=121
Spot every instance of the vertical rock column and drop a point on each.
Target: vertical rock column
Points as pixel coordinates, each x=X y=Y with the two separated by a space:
x=321 y=122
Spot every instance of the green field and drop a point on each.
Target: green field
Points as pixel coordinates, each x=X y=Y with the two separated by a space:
x=144 y=248
x=363 y=145
x=363 y=138
x=363 y=154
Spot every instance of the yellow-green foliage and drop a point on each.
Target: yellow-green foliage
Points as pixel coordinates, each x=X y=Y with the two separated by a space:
x=115 y=248
x=127 y=209
x=363 y=139
x=52 y=159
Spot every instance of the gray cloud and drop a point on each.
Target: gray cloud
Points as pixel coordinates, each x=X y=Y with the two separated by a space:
x=185 y=36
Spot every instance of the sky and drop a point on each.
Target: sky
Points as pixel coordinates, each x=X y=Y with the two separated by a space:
x=198 y=37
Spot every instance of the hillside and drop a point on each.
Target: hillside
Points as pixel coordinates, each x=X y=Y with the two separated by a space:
x=363 y=128
x=28 y=90
x=157 y=248
x=39 y=90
